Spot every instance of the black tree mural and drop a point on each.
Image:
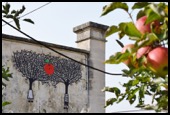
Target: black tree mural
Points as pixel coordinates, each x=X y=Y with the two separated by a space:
x=35 y=67
x=69 y=72
x=47 y=69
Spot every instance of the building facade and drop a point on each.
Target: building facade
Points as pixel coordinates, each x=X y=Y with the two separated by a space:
x=50 y=78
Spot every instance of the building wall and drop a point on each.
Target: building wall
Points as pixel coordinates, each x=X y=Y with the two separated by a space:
x=46 y=97
x=85 y=95
x=90 y=36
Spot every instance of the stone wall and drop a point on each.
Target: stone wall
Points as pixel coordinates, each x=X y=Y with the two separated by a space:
x=90 y=36
x=47 y=98
x=84 y=91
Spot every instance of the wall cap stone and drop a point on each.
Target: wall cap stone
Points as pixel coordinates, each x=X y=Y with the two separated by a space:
x=22 y=39
x=90 y=24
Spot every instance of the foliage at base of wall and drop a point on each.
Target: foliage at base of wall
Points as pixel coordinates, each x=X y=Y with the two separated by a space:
x=5 y=76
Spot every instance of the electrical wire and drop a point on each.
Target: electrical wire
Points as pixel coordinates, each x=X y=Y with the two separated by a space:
x=29 y=12
x=61 y=53
x=146 y=111
x=130 y=111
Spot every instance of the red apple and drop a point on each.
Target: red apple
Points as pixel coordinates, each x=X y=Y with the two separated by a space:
x=144 y=28
x=143 y=51
x=127 y=62
x=157 y=60
x=49 y=68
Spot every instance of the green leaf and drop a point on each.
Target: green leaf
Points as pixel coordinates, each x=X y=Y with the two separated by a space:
x=149 y=107
x=111 y=30
x=3 y=84
x=3 y=11
x=165 y=85
x=44 y=110
x=6 y=8
x=142 y=91
x=112 y=90
x=132 y=96
x=141 y=101
x=28 y=20
x=140 y=14
x=130 y=29
x=122 y=97
x=13 y=11
x=150 y=94
x=112 y=59
x=108 y=89
x=120 y=43
x=118 y=58
x=21 y=10
x=5 y=76
x=163 y=35
x=166 y=10
x=110 y=101
x=157 y=9
x=139 y=105
x=9 y=16
x=121 y=34
x=125 y=71
x=132 y=100
x=135 y=82
x=17 y=22
x=5 y=73
x=138 y=70
x=139 y=5
x=153 y=88
x=16 y=14
x=5 y=103
x=163 y=32
x=150 y=39
x=134 y=38
x=117 y=91
x=146 y=79
x=47 y=61
x=114 y=5
x=152 y=16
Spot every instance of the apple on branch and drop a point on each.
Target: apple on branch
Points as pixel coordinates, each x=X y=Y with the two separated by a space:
x=157 y=61
x=146 y=28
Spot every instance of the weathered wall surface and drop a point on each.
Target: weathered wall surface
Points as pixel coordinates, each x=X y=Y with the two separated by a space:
x=90 y=36
x=85 y=95
x=46 y=97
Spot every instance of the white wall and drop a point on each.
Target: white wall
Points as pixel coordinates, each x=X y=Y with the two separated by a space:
x=46 y=98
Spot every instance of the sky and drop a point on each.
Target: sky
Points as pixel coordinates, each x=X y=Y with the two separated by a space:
x=54 y=23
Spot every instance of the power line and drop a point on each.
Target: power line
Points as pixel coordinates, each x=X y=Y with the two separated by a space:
x=129 y=111
x=61 y=53
x=30 y=12
x=163 y=111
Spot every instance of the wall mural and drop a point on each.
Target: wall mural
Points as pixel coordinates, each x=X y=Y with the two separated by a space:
x=47 y=69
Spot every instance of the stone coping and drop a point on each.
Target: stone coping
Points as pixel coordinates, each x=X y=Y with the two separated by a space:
x=16 y=38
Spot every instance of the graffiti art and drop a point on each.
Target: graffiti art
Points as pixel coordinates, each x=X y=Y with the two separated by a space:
x=47 y=69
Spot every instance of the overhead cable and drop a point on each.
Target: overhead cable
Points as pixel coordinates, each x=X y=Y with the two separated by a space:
x=29 y=12
x=61 y=53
